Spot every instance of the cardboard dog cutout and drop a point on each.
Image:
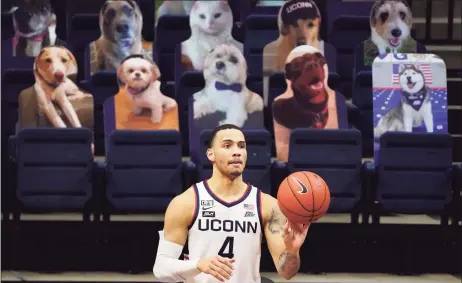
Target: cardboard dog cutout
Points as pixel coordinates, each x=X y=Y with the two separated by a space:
x=121 y=23
x=55 y=100
x=211 y=24
x=225 y=98
x=308 y=101
x=139 y=104
x=391 y=24
x=299 y=24
x=409 y=95
x=34 y=26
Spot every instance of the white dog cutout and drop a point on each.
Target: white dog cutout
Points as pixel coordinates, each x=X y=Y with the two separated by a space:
x=225 y=75
x=140 y=77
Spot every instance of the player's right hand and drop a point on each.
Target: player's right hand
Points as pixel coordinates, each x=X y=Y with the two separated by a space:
x=219 y=267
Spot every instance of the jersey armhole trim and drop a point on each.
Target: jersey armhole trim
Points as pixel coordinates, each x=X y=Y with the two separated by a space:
x=196 y=206
x=260 y=210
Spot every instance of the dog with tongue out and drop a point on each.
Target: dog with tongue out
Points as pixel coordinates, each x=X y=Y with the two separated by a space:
x=391 y=24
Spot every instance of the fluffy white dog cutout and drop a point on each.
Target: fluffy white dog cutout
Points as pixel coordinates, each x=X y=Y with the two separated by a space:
x=140 y=78
x=225 y=74
x=211 y=24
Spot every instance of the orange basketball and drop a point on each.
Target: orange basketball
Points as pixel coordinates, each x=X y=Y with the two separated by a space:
x=303 y=197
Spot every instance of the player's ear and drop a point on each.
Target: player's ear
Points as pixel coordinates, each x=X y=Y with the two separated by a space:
x=210 y=154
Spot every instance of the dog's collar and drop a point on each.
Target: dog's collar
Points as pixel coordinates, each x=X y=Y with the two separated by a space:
x=37 y=38
x=53 y=85
x=418 y=102
x=236 y=87
x=136 y=91
x=319 y=117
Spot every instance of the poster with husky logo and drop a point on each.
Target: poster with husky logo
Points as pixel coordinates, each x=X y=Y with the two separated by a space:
x=409 y=94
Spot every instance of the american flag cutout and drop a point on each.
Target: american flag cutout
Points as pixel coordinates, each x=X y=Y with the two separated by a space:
x=425 y=68
x=249 y=206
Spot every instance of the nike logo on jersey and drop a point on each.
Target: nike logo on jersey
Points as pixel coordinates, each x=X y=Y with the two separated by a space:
x=207 y=208
x=303 y=189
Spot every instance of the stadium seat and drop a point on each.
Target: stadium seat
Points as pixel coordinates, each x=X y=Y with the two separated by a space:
x=54 y=170
x=148 y=8
x=347 y=33
x=144 y=170
x=260 y=30
x=413 y=173
x=258 y=167
x=84 y=29
x=336 y=156
x=102 y=85
x=170 y=31
x=190 y=83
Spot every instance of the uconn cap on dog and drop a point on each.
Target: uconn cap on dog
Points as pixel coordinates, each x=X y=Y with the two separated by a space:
x=294 y=10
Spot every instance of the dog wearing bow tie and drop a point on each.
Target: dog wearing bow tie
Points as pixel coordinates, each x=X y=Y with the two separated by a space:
x=225 y=74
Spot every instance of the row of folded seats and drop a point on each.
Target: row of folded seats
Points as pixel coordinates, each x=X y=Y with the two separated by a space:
x=54 y=170
x=104 y=85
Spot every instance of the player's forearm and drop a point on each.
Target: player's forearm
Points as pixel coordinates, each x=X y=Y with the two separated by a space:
x=168 y=269
x=288 y=264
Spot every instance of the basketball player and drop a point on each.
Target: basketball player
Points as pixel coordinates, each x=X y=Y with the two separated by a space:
x=223 y=219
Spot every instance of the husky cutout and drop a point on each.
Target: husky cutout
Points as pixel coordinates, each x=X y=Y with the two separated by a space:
x=415 y=106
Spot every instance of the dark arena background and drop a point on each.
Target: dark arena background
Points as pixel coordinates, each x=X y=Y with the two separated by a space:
x=71 y=216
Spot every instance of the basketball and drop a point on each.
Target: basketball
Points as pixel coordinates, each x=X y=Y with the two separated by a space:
x=303 y=197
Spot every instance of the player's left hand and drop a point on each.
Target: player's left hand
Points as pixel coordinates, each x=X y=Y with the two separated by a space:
x=294 y=235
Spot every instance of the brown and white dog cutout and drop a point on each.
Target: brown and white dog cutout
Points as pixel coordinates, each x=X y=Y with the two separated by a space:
x=140 y=82
x=121 y=22
x=52 y=68
x=299 y=23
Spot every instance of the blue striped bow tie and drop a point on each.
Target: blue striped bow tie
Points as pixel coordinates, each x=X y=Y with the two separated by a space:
x=236 y=87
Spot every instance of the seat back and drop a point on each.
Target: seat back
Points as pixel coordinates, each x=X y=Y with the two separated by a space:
x=190 y=83
x=347 y=33
x=55 y=168
x=335 y=155
x=144 y=170
x=414 y=172
x=170 y=31
x=103 y=86
x=258 y=167
x=83 y=30
x=260 y=30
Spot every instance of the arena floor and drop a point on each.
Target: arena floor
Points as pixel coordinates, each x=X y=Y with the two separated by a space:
x=300 y=278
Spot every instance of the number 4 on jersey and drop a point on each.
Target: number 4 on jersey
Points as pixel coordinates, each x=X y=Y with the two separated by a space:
x=227 y=248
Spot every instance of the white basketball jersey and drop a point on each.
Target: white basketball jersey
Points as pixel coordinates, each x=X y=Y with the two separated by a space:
x=227 y=229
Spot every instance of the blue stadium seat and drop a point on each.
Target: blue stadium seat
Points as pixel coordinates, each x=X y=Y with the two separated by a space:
x=170 y=31
x=260 y=30
x=54 y=169
x=258 y=167
x=413 y=173
x=83 y=30
x=144 y=170
x=148 y=8
x=190 y=83
x=102 y=86
x=336 y=156
x=347 y=33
